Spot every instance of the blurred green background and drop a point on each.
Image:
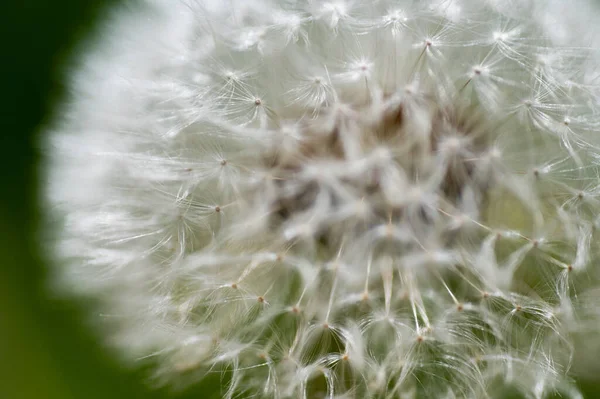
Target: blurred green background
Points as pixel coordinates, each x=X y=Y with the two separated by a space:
x=45 y=349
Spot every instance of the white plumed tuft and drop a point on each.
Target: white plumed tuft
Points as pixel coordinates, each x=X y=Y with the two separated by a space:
x=340 y=199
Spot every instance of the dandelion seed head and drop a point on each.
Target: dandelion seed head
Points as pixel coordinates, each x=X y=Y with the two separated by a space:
x=336 y=199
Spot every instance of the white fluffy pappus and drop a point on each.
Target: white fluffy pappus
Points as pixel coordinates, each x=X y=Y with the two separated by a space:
x=340 y=199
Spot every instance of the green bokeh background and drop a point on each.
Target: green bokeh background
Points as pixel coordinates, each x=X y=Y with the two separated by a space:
x=45 y=349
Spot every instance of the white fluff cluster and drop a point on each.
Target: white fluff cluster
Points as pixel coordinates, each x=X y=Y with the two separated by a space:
x=341 y=199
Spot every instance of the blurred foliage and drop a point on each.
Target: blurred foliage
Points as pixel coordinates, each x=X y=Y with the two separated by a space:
x=46 y=351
